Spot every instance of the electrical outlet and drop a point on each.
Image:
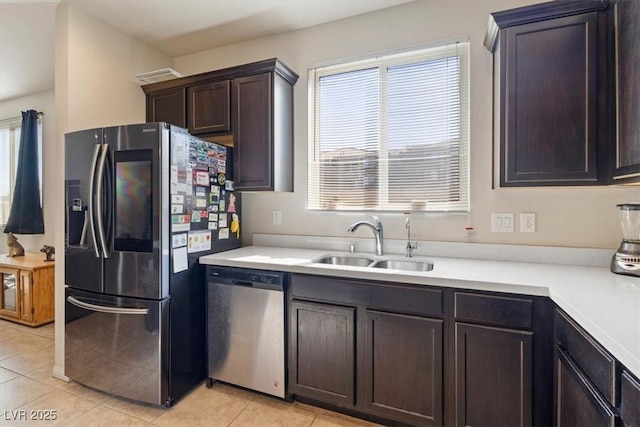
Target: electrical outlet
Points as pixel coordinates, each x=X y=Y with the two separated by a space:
x=502 y=222
x=277 y=217
x=527 y=222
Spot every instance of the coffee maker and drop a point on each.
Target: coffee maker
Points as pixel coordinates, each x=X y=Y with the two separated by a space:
x=627 y=259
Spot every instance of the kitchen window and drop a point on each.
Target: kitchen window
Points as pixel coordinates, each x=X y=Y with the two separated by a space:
x=9 y=147
x=391 y=132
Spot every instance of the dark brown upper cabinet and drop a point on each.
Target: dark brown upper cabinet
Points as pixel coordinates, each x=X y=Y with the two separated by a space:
x=167 y=106
x=209 y=108
x=550 y=112
x=263 y=132
x=625 y=15
x=248 y=107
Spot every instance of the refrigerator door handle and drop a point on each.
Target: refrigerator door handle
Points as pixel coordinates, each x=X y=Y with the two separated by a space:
x=99 y=207
x=94 y=164
x=106 y=309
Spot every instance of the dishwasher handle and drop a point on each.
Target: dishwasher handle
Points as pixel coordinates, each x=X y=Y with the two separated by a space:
x=242 y=283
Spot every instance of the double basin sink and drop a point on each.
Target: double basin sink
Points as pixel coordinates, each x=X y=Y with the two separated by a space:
x=381 y=263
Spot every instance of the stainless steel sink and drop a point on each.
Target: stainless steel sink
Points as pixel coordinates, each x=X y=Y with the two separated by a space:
x=355 y=261
x=404 y=264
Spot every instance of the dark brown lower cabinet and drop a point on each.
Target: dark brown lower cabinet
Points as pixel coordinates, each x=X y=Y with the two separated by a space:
x=577 y=401
x=493 y=376
x=404 y=367
x=630 y=400
x=322 y=358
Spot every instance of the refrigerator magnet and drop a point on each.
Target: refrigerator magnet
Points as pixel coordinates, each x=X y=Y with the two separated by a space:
x=177 y=199
x=201 y=192
x=202 y=161
x=179 y=240
x=199 y=241
x=222 y=166
x=180 y=261
x=228 y=185
x=201 y=203
x=223 y=233
x=195 y=216
x=235 y=225
x=174 y=174
x=213 y=225
x=221 y=179
x=177 y=209
x=222 y=205
x=222 y=220
x=232 y=203
x=201 y=178
x=213 y=217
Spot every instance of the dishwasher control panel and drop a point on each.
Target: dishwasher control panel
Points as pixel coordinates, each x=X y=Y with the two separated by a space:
x=246 y=277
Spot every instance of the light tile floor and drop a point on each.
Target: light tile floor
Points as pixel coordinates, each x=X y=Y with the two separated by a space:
x=27 y=388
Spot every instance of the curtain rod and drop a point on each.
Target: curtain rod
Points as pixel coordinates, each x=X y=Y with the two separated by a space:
x=15 y=119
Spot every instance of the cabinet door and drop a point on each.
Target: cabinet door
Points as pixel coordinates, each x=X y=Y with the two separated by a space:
x=26 y=299
x=627 y=61
x=549 y=110
x=493 y=376
x=10 y=295
x=253 y=132
x=167 y=106
x=209 y=108
x=404 y=368
x=322 y=359
x=577 y=401
x=630 y=400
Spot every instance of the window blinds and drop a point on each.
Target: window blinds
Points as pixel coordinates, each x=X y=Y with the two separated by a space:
x=391 y=132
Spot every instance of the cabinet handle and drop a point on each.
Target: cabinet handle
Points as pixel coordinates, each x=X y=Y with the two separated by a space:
x=106 y=309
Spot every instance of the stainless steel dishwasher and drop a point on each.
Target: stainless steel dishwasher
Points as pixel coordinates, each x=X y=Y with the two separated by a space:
x=246 y=328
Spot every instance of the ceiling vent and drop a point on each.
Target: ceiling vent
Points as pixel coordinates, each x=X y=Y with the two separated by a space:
x=158 y=75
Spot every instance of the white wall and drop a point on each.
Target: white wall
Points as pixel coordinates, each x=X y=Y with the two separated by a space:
x=43 y=102
x=96 y=86
x=584 y=217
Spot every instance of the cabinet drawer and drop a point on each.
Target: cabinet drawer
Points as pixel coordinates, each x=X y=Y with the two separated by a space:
x=328 y=289
x=598 y=365
x=494 y=310
x=411 y=300
x=578 y=404
x=400 y=299
x=630 y=400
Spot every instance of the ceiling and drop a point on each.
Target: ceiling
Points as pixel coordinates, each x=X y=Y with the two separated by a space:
x=177 y=27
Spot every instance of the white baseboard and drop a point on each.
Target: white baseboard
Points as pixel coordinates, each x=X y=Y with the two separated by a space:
x=58 y=373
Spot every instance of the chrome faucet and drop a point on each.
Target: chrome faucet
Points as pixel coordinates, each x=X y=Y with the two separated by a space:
x=410 y=247
x=377 y=231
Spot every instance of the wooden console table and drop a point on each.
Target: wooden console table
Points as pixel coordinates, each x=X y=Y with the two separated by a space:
x=27 y=295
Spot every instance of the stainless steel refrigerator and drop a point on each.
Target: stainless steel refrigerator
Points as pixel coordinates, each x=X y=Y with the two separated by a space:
x=143 y=202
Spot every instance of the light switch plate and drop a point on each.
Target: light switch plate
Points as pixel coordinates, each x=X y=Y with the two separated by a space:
x=502 y=222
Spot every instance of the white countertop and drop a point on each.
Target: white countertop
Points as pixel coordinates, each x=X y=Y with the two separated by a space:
x=606 y=305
